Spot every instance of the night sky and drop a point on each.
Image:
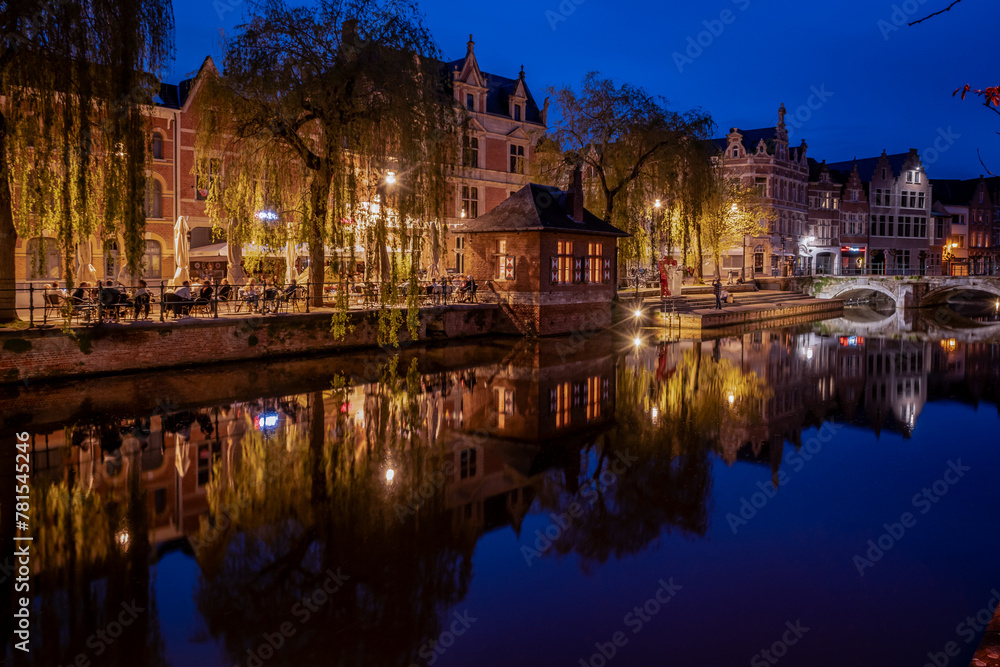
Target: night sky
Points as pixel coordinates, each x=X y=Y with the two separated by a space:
x=873 y=82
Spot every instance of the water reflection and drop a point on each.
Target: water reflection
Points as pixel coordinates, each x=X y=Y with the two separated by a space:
x=337 y=509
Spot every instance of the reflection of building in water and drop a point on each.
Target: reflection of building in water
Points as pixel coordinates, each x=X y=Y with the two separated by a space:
x=495 y=423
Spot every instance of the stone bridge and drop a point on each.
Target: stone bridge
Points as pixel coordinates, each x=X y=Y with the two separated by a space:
x=905 y=292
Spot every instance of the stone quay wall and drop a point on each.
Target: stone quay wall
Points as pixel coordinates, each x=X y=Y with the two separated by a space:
x=51 y=353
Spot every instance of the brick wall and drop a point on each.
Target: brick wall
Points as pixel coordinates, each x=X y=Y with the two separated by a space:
x=548 y=308
x=111 y=349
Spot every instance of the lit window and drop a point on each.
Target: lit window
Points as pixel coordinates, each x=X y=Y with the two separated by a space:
x=562 y=263
x=595 y=257
x=470 y=202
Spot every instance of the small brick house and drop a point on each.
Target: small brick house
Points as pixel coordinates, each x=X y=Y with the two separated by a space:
x=551 y=260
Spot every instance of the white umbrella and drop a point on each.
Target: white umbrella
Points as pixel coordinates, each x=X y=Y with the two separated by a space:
x=85 y=271
x=181 y=249
x=182 y=455
x=234 y=255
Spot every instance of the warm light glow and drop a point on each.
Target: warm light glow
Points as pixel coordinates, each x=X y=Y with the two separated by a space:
x=123 y=538
x=638 y=313
x=734 y=209
x=954 y=245
x=463 y=212
x=656 y=204
x=654 y=413
x=732 y=398
x=637 y=341
x=390 y=178
x=389 y=474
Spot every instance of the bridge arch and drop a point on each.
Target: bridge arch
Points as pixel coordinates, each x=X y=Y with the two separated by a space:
x=846 y=290
x=941 y=295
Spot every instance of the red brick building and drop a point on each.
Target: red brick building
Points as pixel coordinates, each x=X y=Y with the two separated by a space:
x=504 y=125
x=552 y=262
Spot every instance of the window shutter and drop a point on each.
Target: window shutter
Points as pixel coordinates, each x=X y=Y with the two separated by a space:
x=607 y=270
x=578 y=269
x=555 y=270
x=509 y=267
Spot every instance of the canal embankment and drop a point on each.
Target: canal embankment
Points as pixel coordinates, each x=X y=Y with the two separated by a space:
x=43 y=354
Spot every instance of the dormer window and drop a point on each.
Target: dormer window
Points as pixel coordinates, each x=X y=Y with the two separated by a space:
x=517 y=112
x=470 y=102
x=736 y=152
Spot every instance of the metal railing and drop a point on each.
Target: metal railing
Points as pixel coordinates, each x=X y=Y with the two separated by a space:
x=45 y=306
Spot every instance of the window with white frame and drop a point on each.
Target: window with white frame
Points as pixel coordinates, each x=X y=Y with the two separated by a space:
x=516 y=159
x=470 y=202
x=470 y=151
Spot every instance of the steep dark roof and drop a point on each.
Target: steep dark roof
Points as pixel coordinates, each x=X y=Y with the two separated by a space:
x=538 y=208
x=953 y=191
x=499 y=88
x=750 y=139
x=867 y=166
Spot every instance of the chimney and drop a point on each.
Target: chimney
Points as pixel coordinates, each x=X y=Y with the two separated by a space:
x=575 y=196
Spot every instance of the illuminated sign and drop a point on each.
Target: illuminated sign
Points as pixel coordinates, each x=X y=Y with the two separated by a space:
x=267 y=215
x=266 y=421
x=851 y=248
x=852 y=341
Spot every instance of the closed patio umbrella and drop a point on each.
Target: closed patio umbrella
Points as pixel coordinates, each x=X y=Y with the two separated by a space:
x=181 y=250
x=234 y=256
x=435 y=269
x=290 y=256
x=85 y=271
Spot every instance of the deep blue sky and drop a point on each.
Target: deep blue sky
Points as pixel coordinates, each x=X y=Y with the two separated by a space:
x=888 y=89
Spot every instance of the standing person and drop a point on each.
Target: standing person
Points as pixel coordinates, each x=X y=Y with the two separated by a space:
x=717 y=288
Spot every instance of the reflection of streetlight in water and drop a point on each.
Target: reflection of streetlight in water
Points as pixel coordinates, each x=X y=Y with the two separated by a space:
x=389 y=474
x=731 y=398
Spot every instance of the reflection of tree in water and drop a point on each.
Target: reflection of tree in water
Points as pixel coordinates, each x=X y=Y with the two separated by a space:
x=667 y=428
x=92 y=554
x=311 y=501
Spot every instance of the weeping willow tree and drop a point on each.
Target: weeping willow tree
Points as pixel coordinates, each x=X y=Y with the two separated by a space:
x=75 y=79
x=633 y=150
x=731 y=212
x=335 y=116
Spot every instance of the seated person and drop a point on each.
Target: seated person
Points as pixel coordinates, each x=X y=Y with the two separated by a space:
x=141 y=299
x=204 y=295
x=250 y=294
x=182 y=299
x=290 y=291
x=80 y=293
x=225 y=290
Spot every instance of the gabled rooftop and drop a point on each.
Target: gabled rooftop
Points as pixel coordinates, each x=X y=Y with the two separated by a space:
x=539 y=208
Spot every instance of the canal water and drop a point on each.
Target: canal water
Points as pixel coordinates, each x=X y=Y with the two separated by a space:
x=824 y=495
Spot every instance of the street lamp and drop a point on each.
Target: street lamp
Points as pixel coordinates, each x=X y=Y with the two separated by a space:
x=390 y=178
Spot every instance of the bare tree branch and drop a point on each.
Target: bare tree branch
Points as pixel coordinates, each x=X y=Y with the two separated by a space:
x=940 y=11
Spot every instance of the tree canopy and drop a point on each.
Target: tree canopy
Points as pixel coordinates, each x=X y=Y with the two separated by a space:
x=335 y=116
x=76 y=79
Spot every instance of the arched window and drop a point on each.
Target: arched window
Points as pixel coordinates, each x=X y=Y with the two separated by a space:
x=151 y=260
x=43 y=259
x=157 y=146
x=154 y=199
